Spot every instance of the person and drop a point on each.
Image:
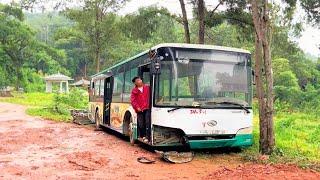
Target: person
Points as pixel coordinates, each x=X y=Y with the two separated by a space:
x=140 y=103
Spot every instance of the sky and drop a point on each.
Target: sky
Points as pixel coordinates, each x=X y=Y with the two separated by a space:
x=309 y=40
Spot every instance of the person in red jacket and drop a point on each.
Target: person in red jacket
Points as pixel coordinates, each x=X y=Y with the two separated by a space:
x=140 y=103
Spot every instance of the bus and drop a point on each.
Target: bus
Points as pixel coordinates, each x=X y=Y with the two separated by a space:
x=200 y=96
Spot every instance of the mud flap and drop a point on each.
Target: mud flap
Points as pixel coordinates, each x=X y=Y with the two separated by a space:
x=176 y=157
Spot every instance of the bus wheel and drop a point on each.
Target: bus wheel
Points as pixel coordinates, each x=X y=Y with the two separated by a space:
x=96 y=118
x=131 y=132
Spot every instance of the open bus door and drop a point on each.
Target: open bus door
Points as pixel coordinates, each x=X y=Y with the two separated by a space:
x=108 y=84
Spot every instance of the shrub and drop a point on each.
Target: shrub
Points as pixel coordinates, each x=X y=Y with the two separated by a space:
x=32 y=81
x=76 y=99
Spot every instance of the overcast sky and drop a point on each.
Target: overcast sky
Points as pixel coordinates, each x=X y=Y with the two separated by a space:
x=309 y=41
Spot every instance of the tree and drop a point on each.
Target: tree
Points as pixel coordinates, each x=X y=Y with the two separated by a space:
x=15 y=38
x=71 y=41
x=263 y=73
x=149 y=25
x=96 y=22
x=201 y=14
x=185 y=22
x=312 y=8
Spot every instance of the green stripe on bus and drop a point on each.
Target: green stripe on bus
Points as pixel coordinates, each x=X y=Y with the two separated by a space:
x=242 y=140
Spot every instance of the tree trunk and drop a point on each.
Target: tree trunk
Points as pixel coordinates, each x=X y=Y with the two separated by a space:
x=264 y=78
x=201 y=21
x=97 y=59
x=185 y=22
x=97 y=38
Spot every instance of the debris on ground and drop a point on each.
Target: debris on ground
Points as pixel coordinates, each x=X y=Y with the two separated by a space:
x=145 y=160
x=176 y=157
x=80 y=117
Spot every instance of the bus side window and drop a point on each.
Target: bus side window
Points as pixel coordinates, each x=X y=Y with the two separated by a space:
x=117 y=88
x=127 y=86
x=102 y=87
x=97 y=88
x=91 y=91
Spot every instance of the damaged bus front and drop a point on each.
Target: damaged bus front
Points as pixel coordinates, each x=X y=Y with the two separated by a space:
x=202 y=97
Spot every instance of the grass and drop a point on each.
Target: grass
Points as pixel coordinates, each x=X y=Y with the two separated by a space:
x=297 y=138
x=38 y=105
x=48 y=114
x=30 y=99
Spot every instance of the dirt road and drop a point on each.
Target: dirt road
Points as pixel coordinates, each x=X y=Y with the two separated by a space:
x=32 y=148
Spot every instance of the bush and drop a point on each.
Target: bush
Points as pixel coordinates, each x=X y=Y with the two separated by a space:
x=76 y=99
x=32 y=81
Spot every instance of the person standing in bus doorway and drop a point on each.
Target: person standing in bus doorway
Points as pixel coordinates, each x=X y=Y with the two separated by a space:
x=140 y=103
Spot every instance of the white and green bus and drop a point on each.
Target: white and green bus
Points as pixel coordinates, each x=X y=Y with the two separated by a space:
x=200 y=96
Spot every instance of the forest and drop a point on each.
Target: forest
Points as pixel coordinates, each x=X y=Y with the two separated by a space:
x=80 y=41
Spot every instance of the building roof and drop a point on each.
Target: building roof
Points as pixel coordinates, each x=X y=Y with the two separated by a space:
x=81 y=82
x=177 y=45
x=57 y=77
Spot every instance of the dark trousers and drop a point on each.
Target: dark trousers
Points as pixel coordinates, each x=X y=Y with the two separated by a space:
x=144 y=125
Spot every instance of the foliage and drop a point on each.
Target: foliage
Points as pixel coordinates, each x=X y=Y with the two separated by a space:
x=51 y=106
x=32 y=81
x=15 y=39
x=76 y=99
x=96 y=23
x=22 y=56
x=297 y=140
x=30 y=99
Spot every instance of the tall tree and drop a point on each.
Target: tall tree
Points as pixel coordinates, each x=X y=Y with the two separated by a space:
x=96 y=22
x=185 y=22
x=263 y=70
x=15 y=38
x=201 y=14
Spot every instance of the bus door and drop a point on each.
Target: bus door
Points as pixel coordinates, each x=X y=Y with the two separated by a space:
x=107 y=99
x=144 y=72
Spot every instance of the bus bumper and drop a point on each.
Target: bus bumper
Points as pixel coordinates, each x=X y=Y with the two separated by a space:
x=241 y=140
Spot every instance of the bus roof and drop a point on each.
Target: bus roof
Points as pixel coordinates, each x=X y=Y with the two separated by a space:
x=177 y=45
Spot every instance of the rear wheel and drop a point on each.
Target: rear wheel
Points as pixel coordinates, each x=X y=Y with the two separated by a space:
x=96 y=118
x=131 y=131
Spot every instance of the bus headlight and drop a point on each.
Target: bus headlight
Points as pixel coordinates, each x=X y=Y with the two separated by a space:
x=247 y=130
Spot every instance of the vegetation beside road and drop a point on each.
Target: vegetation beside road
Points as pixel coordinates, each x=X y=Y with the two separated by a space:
x=297 y=140
x=50 y=106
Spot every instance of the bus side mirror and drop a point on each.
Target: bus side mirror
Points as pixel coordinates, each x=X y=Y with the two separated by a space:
x=253 y=77
x=156 y=65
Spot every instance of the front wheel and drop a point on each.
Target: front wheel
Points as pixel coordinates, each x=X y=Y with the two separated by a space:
x=131 y=132
x=96 y=118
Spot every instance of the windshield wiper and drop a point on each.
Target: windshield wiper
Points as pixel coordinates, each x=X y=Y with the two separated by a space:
x=234 y=103
x=170 y=110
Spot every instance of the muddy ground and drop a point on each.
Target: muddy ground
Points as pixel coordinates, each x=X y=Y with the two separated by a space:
x=32 y=148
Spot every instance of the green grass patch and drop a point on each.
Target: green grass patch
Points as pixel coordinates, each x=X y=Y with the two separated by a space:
x=48 y=114
x=49 y=106
x=297 y=138
x=30 y=99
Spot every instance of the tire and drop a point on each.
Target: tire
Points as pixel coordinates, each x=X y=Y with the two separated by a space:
x=96 y=118
x=131 y=132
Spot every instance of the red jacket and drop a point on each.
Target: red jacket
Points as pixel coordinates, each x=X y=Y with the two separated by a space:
x=140 y=99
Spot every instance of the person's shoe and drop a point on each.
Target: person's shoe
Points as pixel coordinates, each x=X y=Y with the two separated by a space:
x=145 y=140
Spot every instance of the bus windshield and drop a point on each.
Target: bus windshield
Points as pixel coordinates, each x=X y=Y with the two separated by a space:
x=204 y=78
